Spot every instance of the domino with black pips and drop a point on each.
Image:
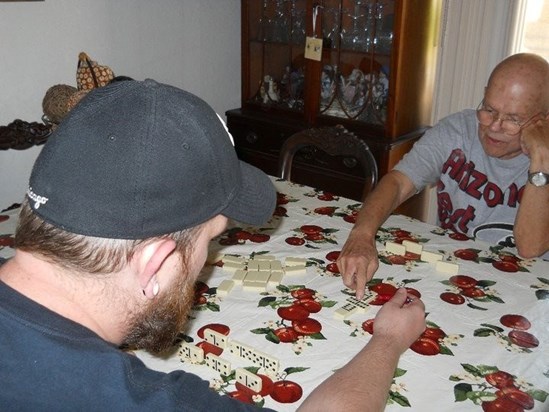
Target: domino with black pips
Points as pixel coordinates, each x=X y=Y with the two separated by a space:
x=215 y=338
x=266 y=361
x=218 y=364
x=240 y=350
x=191 y=352
x=249 y=379
x=345 y=311
x=363 y=304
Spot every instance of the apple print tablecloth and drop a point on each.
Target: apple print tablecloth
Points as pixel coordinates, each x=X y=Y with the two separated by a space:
x=486 y=346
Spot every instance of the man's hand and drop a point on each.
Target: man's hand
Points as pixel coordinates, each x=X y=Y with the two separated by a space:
x=358 y=262
x=534 y=138
x=400 y=321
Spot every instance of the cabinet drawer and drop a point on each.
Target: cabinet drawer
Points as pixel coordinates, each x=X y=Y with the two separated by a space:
x=259 y=137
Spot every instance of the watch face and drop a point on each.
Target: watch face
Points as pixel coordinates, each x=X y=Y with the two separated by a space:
x=538 y=179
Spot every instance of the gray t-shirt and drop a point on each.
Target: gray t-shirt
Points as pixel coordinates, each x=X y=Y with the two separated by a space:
x=477 y=195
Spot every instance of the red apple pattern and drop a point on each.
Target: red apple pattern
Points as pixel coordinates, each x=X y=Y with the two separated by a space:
x=277 y=386
x=295 y=307
x=515 y=340
x=463 y=288
x=495 y=390
x=306 y=329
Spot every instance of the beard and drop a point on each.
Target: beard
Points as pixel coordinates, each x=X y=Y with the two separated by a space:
x=156 y=327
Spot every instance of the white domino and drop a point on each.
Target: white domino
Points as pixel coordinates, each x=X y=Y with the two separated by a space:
x=447 y=267
x=295 y=270
x=430 y=257
x=264 y=257
x=253 y=265
x=276 y=266
x=239 y=276
x=216 y=338
x=215 y=257
x=233 y=266
x=345 y=311
x=249 y=379
x=266 y=361
x=191 y=352
x=254 y=285
x=240 y=349
x=363 y=304
x=412 y=247
x=218 y=364
x=275 y=279
x=225 y=287
x=395 y=248
x=233 y=259
x=295 y=261
x=264 y=266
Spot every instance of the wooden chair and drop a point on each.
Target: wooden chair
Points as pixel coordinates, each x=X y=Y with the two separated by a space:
x=335 y=141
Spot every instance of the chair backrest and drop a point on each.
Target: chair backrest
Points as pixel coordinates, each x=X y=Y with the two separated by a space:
x=335 y=141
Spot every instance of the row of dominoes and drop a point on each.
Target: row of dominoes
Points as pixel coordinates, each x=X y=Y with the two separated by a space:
x=354 y=305
x=258 y=273
x=426 y=256
x=223 y=366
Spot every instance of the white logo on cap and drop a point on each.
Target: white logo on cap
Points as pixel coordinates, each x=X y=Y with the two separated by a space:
x=38 y=200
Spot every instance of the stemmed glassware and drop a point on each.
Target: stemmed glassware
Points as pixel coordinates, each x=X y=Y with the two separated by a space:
x=297 y=33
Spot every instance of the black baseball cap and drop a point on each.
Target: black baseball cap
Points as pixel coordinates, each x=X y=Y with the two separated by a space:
x=138 y=159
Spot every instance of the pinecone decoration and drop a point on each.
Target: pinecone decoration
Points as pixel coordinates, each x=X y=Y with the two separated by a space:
x=56 y=102
x=89 y=74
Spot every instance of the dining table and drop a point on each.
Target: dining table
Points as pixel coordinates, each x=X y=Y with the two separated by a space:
x=486 y=345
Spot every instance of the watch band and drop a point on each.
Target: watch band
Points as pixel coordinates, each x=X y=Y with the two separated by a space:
x=538 y=178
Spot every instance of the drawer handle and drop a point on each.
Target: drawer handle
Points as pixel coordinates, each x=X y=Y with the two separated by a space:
x=252 y=137
x=350 y=162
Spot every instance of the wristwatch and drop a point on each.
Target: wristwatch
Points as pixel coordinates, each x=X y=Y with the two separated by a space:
x=538 y=178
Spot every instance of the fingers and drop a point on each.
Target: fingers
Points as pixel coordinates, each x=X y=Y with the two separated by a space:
x=360 y=282
x=400 y=297
x=403 y=299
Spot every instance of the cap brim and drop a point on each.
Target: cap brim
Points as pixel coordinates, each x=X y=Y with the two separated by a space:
x=255 y=201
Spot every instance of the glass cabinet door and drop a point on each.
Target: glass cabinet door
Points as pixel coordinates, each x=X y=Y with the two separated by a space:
x=357 y=37
x=276 y=63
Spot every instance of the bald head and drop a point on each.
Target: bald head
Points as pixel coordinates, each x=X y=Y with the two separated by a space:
x=523 y=77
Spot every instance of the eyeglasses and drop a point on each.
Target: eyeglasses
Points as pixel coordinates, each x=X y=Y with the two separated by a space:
x=509 y=125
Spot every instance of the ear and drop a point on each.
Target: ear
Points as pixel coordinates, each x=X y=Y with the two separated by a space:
x=149 y=261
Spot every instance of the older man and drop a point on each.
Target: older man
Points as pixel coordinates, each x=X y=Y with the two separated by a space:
x=491 y=167
x=123 y=202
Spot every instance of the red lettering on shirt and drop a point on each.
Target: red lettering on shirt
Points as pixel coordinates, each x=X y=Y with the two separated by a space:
x=492 y=195
x=475 y=184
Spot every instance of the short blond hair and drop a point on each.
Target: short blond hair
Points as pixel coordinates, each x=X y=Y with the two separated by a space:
x=87 y=254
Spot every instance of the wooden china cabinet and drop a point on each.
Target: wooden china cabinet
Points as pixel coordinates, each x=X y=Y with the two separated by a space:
x=374 y=74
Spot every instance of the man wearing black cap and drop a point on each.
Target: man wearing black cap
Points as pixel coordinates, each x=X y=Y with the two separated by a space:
x=122 y=203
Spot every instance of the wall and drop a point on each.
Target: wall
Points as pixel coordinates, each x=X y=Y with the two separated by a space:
x=191 y=44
